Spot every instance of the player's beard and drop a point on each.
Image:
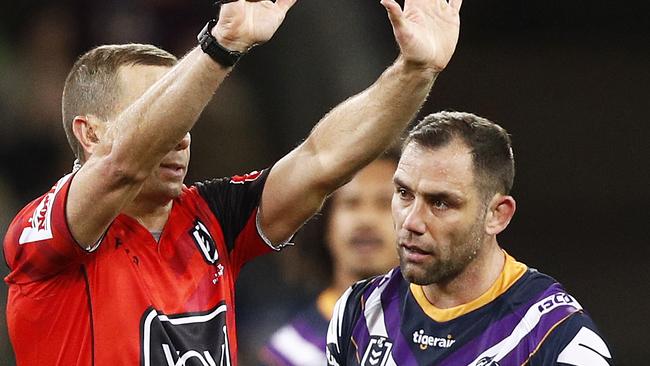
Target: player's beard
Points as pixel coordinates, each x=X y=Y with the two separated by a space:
x=462 y=251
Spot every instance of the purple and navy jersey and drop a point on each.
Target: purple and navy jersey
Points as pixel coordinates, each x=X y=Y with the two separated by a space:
x=301 y=342
x=525 y=318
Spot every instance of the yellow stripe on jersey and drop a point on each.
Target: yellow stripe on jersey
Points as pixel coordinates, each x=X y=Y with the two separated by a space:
x=512 y=271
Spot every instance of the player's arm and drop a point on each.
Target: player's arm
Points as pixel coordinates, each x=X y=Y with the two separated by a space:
x=124 y=154
x=359 y=129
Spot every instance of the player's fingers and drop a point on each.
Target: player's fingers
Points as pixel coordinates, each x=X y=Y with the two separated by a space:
x=285 y=5
x=394 y=11
x=456 y=4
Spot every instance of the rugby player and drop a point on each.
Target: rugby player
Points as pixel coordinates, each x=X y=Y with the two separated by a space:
x=457 y=298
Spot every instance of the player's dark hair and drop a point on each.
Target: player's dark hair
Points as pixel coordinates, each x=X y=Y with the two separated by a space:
x=92 y=85
x=490 y=145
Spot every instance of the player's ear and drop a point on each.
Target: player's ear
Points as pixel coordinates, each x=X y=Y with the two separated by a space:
x=500 y=211
x=84 y=129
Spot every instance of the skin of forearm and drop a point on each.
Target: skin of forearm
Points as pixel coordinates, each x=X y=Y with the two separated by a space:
x=350 y=136
x=150 y=127
x=359 y=129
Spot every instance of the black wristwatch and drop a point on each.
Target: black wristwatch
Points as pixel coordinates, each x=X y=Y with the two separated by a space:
x=209 y=45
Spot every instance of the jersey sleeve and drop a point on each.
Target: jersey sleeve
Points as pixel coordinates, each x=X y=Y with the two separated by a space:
x=235 y=202
x=577 y=342
x=39 y=244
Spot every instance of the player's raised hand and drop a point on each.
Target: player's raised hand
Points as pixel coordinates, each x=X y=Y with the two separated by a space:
x=426 y=30
x=245 y=23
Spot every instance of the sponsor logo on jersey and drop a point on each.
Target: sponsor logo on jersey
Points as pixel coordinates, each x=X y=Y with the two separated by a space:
x=425 y=341
x=185 y=339
x=219 y=274
x=204 y=242
x=560 y=298
x=377 y=352
x=40 y=223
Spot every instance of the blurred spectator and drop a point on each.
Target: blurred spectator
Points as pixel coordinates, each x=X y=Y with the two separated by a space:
x=360 y=240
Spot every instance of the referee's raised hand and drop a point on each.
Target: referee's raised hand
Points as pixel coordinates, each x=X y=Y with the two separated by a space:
x=426 y=30
x=245 y=23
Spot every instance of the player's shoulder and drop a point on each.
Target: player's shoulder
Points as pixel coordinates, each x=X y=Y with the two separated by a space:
x=204 y=187
x=534 y=279
x=33 y=221
x=371 y=292
x=572 y=337
x=536 y=286
x=575 y=341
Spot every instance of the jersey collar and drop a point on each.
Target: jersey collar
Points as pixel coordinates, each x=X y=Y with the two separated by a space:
x=512 y=271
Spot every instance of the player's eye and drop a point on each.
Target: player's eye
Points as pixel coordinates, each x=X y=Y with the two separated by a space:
x=403 y=193
x=439 y=204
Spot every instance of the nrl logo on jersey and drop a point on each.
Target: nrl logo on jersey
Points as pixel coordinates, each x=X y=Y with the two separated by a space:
x=377 y=352
x=204 y=242
x=426 y=341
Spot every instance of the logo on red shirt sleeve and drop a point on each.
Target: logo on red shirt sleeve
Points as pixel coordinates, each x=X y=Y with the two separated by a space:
x=241 y=179
x=40 y=227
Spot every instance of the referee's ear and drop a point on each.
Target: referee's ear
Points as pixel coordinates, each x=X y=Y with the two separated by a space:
x=500 y=211
x=84 y=129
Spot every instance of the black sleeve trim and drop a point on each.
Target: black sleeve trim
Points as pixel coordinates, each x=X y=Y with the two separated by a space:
x=233 y=200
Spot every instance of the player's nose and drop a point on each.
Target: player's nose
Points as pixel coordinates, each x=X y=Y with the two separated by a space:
x=414 y=220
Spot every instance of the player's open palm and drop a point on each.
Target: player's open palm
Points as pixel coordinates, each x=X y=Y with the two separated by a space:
x=426 y=30
x=245 y=23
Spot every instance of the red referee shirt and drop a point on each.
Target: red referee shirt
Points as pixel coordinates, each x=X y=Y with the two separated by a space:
x=133 y=300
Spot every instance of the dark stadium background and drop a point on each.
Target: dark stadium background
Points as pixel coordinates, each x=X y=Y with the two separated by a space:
x=569 y=80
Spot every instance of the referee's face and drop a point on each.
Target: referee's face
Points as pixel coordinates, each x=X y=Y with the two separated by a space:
x=438 y=212
x=166 y=181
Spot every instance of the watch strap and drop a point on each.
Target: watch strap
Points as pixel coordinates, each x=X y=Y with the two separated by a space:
x=217 y=52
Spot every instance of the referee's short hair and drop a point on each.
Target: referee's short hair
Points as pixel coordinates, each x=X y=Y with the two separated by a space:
x=92 y=85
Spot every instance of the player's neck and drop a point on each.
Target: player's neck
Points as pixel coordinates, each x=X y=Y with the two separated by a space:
x=152 y=216
x=473 y=282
